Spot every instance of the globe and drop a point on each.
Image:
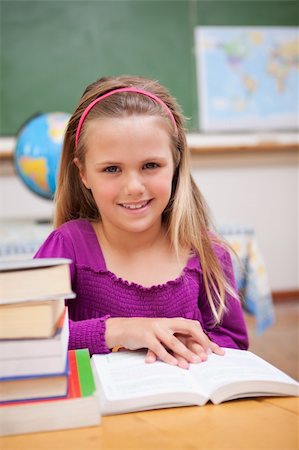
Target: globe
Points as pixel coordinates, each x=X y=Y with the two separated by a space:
x=38 y=150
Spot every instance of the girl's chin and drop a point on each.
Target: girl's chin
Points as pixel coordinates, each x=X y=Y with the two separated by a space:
x=138 y=226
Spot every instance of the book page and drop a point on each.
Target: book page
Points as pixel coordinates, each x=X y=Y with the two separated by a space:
x=242 y=370
x=126 y=375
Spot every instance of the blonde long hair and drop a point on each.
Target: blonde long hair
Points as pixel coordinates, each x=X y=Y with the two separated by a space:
x=186 y=216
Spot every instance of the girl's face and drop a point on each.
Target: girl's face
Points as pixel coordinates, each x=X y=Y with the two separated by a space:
x=129 y=169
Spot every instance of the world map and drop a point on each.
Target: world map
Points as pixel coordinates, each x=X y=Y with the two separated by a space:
x=248 y=77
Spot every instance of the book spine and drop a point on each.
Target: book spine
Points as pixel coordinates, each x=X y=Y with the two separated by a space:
x=74 y=384
x=86 y=380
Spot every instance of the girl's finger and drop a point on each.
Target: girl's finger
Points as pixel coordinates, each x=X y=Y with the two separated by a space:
x=194 y=330
x=198 y=350
x=182 y=362
x=176 y=346
x=216 y=349
x=151 y=357
x=160 y=351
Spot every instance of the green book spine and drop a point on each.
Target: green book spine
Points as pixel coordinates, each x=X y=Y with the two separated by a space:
x=86 y=380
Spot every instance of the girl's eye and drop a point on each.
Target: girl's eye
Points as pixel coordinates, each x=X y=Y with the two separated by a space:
x=151 y=165
x=111 y=169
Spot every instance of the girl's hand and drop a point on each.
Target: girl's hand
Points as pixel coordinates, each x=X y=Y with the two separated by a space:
x=192 y=345
x=170 y=340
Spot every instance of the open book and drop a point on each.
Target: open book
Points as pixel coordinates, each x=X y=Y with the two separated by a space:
x=126 y=383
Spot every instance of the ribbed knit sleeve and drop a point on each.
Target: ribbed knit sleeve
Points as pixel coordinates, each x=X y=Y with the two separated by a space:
x=89 y=334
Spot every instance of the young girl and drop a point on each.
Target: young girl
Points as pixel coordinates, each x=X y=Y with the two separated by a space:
x=147 y=269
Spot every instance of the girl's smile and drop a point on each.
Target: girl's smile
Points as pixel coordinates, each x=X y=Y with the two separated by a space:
x=136 y=207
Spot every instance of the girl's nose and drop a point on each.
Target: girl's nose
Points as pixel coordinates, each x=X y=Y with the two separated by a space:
x=134 y=185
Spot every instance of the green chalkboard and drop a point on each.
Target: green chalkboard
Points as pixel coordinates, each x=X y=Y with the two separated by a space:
x=50 y=50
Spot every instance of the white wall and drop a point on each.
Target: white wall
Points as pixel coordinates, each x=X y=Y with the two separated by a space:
x=265 y=198
x=263 y=194
x=17 y=202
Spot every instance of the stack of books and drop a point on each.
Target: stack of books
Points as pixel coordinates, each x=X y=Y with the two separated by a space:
x=43 y=386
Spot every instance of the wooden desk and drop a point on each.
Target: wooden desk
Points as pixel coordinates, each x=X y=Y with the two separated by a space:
x=252 y=424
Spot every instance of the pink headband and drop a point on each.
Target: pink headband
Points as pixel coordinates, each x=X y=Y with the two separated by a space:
x=115 y=91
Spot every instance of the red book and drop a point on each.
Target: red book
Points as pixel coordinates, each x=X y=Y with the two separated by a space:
x=80 y=408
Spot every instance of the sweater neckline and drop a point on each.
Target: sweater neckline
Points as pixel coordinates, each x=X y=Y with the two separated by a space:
x=192 y=263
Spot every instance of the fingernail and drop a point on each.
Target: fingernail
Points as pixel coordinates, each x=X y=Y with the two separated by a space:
x=209 y=351
x=174 y=362
x=183 y=365
x=196 y=359
x=150 y=359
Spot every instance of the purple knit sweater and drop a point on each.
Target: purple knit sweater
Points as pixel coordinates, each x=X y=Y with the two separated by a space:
x=101 y=294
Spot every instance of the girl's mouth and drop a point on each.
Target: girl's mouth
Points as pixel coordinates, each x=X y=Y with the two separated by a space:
x=135 y=206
